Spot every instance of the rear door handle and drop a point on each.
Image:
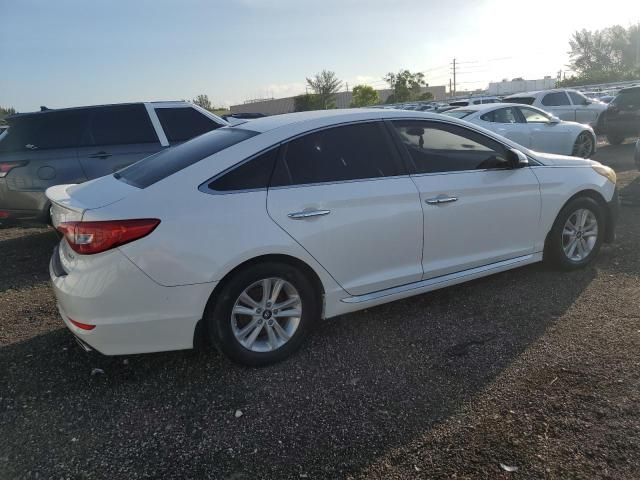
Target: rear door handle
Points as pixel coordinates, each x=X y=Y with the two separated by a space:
x=440 y=199
x=102 y=155
x=308 y=214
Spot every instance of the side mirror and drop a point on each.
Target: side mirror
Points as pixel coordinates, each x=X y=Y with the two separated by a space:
x=516 y=158
x=553 y=121
x=586 y=101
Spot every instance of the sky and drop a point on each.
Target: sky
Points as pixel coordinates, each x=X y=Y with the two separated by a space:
x=82 y=52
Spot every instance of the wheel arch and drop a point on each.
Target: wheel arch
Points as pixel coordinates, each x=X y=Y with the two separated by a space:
x=200 y=334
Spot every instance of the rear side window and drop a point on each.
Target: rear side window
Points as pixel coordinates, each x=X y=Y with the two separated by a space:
x=555 y=99
x=532 y=115
x=523 y=100
x=251 y=175
x=156 y=167
x=120 y=125
x=458 y=113
x=578 y=98
x=45 y=131
x=181 y=124
x=440 y=148
x=349 y=152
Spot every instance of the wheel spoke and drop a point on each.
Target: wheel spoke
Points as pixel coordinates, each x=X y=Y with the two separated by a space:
x=242 y=333
x=572 y=247
x=568 y=231
x=590 y=233
x=271 y=337
x=580 y=248
x=275 y=293
x=583 y=217
x=287 y=303
x=266 y=291
x=247 y=300
x=254 y=334
x=240 y=310
x=281 y=331
x=294 y=312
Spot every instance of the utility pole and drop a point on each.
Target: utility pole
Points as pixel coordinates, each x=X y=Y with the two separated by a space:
x=454 y=77
x=347 y=84
x=450 y=91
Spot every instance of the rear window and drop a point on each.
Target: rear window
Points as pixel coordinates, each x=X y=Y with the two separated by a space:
x=44 y=131
x=156 y=167
x=523 y=100
x=458 y=113
x=181 y=124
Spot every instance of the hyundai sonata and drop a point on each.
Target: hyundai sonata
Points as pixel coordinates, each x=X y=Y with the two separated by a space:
x=248 y=235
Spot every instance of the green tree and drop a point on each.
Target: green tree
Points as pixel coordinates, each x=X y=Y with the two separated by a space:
x=325 y=85
x=306 y=102
x=405 y=85
x=425 y=96
x=611 y=54
x=364 y=95
x=203 y=101
x=5 y=112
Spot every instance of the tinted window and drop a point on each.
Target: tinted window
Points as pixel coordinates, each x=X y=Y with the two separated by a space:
x=180 y=124
x=343 y=153
x=154 y=168
x=448 y=148
x=523 y=100
x=250 y=175
x=628 y=98
x=532 y=115
x=120 y=125
x=458 y=113
x=45 y=131
x=578 y=98
x=502 y=115
x=555 y=99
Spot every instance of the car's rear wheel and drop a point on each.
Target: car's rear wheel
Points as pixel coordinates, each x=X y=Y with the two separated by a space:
x=584 y=145
x=577 y=234
x=263 y=314
x=614 y=139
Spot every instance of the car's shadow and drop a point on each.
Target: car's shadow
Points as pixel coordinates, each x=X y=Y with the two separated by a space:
x=365 y=383
x=25 y=259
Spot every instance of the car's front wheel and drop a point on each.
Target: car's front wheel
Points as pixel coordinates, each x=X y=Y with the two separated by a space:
x=577 y=234
x=584 y=146
x=262 y=314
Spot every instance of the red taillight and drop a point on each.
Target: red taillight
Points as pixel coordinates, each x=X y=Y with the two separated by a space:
x=83 y=326
x=4 y=214
x=6 y=167
x=95 y=237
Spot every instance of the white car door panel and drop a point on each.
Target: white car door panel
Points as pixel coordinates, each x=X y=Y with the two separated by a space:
x=342 y=194
x=495 y=217
x=477 y=210
x=546 y=134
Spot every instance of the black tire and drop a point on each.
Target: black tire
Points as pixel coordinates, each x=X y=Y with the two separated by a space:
x=584 y=146
x=219 y=312
x=614 y=139
x=554 y=250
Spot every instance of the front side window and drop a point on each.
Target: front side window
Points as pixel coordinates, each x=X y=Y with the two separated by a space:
x=532 y=115
x=502 y=115
x=555 y=99
x=439 y=148
x=185 y=123
x=120 y=125
x=156 y=167
x=349 y=152
x=578 y=99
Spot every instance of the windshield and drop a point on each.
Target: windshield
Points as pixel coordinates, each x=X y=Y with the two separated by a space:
x=156 y=167
x=458 y=113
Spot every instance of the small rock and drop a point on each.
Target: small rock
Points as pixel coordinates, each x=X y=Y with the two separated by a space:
x=97 y=371
x=239 y=413
x=508 y=468
x=125 y=361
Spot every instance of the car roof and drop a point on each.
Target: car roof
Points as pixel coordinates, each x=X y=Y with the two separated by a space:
x=331 y=116
x=489 y=106
x=630 y=89
x=538 y=92
x=84 y=107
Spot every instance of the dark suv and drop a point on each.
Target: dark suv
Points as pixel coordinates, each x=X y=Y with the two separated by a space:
x=622 y=118
x=73 y=145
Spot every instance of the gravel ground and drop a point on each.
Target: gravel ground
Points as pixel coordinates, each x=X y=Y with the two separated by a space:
x=531 y=368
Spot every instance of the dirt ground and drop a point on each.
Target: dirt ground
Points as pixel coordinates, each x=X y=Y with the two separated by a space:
x=533 y=369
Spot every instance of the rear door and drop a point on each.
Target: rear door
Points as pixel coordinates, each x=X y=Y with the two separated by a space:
x=343 y=194
x=116 y=136
x=477 y=210
x=508 y=123
x=546 y=136
x=184 y=123
x=559 y=105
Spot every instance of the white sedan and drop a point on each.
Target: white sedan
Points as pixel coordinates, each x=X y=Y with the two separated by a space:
x=248 y=235
x=532 y=128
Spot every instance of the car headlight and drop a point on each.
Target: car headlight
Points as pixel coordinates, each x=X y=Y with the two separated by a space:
x=606 y=172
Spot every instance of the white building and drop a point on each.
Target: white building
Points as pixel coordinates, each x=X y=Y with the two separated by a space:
x=517 y=85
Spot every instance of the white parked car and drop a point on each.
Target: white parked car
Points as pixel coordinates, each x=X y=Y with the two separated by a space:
x=248 y=235
x=473 y=101
x=532 y=128
x=566 y=104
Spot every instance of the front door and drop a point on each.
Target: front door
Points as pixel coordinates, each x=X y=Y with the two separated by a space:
x=477 y=210
x=558 y=104
x=342 y=193
x=546 y=134
x=116 y=136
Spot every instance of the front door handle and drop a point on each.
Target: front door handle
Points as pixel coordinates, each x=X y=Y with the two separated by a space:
x=101 y=155
x=440 y=199
x=308 y=214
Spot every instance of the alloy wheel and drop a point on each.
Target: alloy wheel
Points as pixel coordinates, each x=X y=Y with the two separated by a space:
x=266 y=315
x=584 y=146
x=580 y=234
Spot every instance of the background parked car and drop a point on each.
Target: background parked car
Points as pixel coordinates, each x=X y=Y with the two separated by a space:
x=622 y=117
x=532 y=127
x=566 y=104
x=51 y=147
x=474 y=101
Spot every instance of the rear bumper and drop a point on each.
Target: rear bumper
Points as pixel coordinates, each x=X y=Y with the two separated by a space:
x=20 y=206
x=613 y=211
x=131 y=313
